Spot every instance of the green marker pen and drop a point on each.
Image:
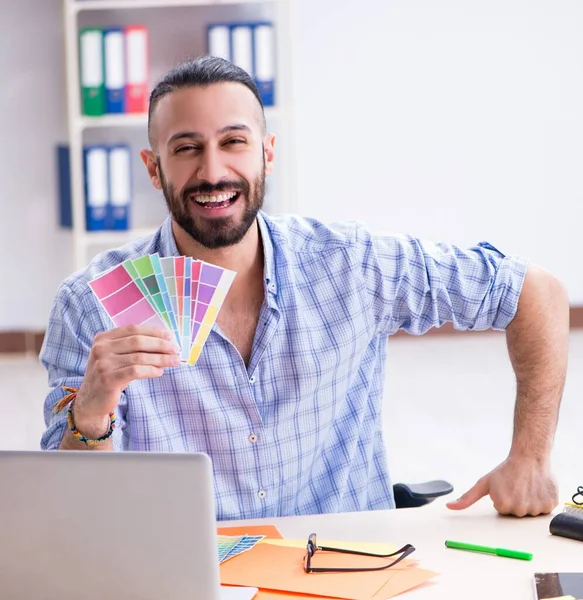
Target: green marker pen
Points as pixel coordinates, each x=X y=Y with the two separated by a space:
x=487 y=550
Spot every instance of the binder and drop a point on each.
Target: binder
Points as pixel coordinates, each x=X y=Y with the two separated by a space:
x=264 y=55
x=120 y=187
x=242 y=46
x=91 y=71
x=115 y=76
x=64 y=186
x=219 y=41
x=96 y=186
x=137 y=68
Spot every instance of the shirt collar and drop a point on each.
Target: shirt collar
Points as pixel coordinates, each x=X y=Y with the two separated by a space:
x=167 y=247
x=268 y=254
x=167 y=243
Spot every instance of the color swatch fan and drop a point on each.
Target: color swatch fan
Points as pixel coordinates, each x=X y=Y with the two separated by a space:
x=176 y=293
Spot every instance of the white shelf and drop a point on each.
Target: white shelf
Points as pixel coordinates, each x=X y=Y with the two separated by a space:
x=114 y=238
x=79 y=5
x=141 y=120
x=121 y=120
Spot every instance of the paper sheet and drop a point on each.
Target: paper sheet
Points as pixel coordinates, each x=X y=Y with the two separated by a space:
x=238 y=593
x=280 y=568
x=372 y=547
x=269 y=531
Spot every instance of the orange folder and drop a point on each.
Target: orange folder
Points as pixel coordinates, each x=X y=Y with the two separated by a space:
x=280 y=569
x=269 y=595
x=269 y=531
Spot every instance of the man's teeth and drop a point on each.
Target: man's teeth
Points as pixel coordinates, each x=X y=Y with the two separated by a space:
x=219 y=198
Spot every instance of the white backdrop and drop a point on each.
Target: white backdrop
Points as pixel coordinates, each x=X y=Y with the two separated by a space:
x=452 y=120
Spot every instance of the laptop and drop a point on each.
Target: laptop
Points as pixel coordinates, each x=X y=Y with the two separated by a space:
x=95 y=525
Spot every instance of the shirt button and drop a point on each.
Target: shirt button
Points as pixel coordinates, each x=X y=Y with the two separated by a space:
x=261 y=494
x=252 y=379
x=252 y=438
x=271 y=287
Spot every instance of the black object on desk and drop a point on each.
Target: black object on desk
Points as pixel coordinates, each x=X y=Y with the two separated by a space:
x=567 y=525
x=412 y=495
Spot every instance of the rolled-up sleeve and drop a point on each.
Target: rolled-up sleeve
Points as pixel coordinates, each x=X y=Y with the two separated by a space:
x=416 y=285
x=73 y=323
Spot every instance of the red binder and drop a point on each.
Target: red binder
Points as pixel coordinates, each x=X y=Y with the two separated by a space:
x=138 y=68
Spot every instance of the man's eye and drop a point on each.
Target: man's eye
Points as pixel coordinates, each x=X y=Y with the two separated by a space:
x=236 y=141
x=187 y=148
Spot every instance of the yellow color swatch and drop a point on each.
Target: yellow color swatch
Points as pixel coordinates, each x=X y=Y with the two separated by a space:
x=210 y=316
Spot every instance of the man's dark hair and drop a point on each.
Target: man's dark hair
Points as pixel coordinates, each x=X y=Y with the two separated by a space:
x=200 y=72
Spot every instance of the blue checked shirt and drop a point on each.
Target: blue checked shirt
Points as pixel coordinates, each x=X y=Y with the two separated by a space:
x=298 y=431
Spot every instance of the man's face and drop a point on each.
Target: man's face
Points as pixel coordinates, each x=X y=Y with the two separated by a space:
x=211 y=160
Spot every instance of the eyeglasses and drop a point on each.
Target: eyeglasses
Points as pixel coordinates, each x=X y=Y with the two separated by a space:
x=312 y=547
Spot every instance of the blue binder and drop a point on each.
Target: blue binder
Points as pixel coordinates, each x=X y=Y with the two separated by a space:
x=242 y=46
x=264 y=61
x=64 y=186
x=115 y=69
x=219 y=40
x=120 y=187
x=251 y=46
x=95 y=160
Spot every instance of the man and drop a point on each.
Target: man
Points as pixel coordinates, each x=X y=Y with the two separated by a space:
x=286 y=396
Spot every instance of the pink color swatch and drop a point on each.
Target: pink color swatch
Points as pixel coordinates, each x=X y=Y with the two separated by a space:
x=113 y=280
x=122 y=299
x=138 y=314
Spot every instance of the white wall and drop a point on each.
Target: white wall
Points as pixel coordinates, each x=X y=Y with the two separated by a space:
x=34 y=255
x=451 y=120
x=448 y=119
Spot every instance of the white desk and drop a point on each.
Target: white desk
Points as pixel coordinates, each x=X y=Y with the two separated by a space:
x=462 y=574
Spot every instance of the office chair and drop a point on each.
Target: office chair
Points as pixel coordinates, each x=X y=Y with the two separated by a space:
x=411 y=495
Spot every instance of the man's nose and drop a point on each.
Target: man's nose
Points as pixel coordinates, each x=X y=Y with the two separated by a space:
x=211 y=167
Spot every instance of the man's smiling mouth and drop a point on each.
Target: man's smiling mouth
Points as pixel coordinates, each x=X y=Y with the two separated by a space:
x=214 y=201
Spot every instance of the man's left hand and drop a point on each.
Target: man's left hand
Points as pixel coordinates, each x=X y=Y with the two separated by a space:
x=518 y=486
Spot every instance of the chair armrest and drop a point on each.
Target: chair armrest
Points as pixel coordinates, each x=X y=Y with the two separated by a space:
x=410 y=495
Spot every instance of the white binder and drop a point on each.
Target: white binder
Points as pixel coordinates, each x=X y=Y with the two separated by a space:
x=120 y=186
x=219 y=41
x=264 y=46
x=115 y=73
x=242 y=47
x=97 y=192
x=91 y=71
x=137 y=68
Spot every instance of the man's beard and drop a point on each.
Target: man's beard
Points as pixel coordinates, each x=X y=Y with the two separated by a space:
x=216 y=232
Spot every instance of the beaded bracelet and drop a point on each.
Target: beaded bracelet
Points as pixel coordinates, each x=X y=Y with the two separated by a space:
x=69 y=399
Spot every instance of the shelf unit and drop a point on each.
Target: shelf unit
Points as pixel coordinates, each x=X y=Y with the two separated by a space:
x=85 y=243
x=137 y=120
x=78 y=5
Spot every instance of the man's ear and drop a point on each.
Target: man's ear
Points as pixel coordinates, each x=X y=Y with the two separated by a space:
x=149 y=159
x=269 y=152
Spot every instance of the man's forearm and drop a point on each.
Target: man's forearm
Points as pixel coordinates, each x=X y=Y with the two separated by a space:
x=538 y=341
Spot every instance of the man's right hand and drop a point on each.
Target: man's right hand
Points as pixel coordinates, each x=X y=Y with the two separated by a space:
x=117 y=358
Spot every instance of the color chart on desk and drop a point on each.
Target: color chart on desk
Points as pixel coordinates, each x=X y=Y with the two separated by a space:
x=230 y=546
x=176 y=293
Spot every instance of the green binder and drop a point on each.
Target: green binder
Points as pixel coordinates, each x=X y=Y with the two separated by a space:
x=91 y=71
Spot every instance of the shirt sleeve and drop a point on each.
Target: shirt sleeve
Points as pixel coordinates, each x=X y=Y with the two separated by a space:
x=66 y=347
x=416 y=285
